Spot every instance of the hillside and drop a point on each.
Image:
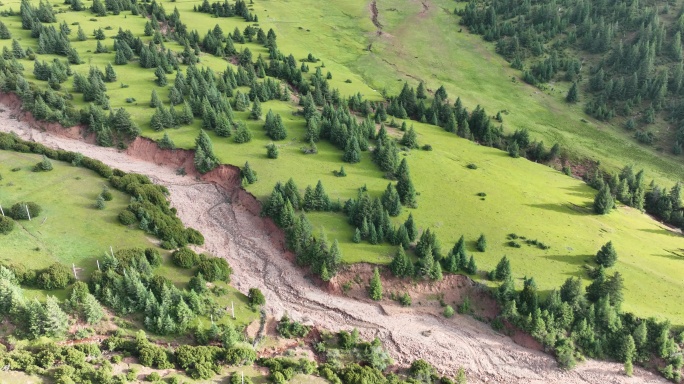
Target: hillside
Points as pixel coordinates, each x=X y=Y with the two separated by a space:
x=354 y=149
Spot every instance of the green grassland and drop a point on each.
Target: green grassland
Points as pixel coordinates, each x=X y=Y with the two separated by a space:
x=522 y=197
x=71 y=230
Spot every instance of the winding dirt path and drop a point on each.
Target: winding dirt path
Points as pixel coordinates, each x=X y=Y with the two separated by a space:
x=255 y=251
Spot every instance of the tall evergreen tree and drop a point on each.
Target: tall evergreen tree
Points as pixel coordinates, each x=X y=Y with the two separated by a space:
x=375 y=290
x=248 y=174
x=391 y=201
x=606 y=256
x=407 y=192
x=603 y=202
x=352 y=153
x=573 y=94
x=55 y=322
x=205 y=159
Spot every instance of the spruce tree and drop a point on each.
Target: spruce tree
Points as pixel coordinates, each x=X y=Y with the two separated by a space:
x=56 y=322
x=471 y=268
x=411 y=228
x=205 y=160
x=407 y=193
x=155 y=101
x=242 y=133
x=375 y=290
x=573 y=95
x=436 y=272
x=110 y=74
x=223 y=126
x=255 y=112
x=248 y=174
x=161 y=77
x=397 y=266
x=165 y=142
x=5 y=34
x=603 y=202
x=391 y=201
x=410 y=139
x=606 y=256
x=272 y=151
x=502 y=270
x=481 y=243
x=92 y=310
x=352 y=153
x=357 y=236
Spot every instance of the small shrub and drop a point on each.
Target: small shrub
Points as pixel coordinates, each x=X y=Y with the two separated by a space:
x=427 y=147
x=130 y=100
x=106 y=194
x=18 y=210
x=272 y=151
x=405 y=300
x=152 y=377
x=471 y=166
x=44 y=165
x=256 y=298
x=127 y=217
x=514 y=244
x=348 y=81
x=16 y=169
x=482 y=194
x=6 y=225
x=153 y=257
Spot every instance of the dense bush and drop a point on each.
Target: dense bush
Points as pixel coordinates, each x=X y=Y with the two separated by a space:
x=18 y=210
x=153 y=257
x=127 y=217
x=6 y=225
x=56 y=276
x=291 y=329
x=214 y=269
x=185 y=258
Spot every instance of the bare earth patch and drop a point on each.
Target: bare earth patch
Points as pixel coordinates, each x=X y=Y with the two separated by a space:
x=228 y=217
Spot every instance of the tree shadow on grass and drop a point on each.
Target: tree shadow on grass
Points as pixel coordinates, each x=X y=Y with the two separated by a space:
x=662 y=231
x=673 y=255
x=567 y=208
x=577 y=260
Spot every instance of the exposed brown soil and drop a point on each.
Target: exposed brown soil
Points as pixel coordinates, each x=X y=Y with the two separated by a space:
x=228 y=217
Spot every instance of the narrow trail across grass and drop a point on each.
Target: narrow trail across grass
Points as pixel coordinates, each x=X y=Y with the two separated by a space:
x=257 y=257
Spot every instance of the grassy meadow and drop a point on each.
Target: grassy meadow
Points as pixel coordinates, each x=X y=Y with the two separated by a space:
x=420 y=43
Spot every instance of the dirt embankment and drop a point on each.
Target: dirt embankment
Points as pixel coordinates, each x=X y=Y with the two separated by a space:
x=228 y=217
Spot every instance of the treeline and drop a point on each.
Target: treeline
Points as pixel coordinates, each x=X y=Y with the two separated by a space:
x=638 y=76
x=576 y=322
x=631 y=189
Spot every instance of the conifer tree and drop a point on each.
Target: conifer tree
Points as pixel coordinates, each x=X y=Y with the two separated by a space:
x=5 y=34
x=603 y=202
x=502 y=270
x=606 y=256
x=391 y=201
x=223 y=127
x=165 y=142
x=110 y=74
x=155 y=101
x=255 y=112
x=357 y=236
x=92 y=310
x=242 y=133
x=398 y=265
x=55 y=322
x=248 y=174
x=420 y=92
x=481 y=243
x=272 y=151
x=410 y=139
x=161 y=77
x=573 y=94
x=436 y=272
x=375 y=290
x=205 y=160
x=405 y=188
x=411 y=228
x=471 y=268
x=352 y=153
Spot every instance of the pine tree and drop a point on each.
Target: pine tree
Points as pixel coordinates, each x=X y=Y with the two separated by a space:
x=247 y=173
x=242 y=133
x=481 y=243
x=391 y=201
x=573 y=94
x=410 y=139
x=502 y=270
x=92 y=310
x=165 y=142
x=55 y=322
x=606 y=256
x=603 y=202
x=357 y=236
x=255 y=112
x=405 y=188
x=155 y=101
x=471 y=268
x=436 y=272
x=110 y=74
x=352 y=153
x=272 y=151
x=420 y=92
x=375 y=290
x=411 y=228
x=398 y=266
x=5 y=34
x=205 y=160
x=223 y=127
x=161 y=77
